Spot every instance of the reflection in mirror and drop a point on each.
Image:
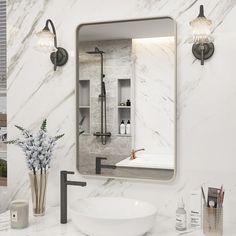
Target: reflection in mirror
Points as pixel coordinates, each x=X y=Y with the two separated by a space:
x=126 y=99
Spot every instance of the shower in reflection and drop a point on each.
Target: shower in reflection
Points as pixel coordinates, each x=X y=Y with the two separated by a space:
x=103 y=131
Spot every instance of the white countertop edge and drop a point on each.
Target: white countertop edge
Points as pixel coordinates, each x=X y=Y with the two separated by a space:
x=50 y=225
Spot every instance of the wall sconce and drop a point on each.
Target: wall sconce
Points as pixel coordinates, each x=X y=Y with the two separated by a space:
x=203 y=48
x=47 y=41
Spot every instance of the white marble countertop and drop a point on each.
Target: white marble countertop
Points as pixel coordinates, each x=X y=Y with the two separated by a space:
x=49 y=226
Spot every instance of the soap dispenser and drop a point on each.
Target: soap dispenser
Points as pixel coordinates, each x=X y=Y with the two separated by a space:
x=128 y=127
x=122 y=127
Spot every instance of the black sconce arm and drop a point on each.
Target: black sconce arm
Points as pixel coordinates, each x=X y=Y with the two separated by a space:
x=60 y=56
x=49 y=21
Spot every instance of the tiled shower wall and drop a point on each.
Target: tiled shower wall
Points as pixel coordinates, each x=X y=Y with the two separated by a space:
x=117 y=65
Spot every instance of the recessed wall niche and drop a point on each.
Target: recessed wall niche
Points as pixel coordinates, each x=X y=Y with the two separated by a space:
x=84 y=105
x=124 y=102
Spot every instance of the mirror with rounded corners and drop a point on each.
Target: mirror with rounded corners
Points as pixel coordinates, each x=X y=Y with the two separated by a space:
x=126 y=99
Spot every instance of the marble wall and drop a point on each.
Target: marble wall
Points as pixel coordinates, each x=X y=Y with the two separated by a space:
x=154 y=70
x=206 y=98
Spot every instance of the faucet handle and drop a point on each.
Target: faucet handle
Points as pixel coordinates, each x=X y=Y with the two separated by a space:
x=70 y=172
x=65 y=172
x=99 y=163
x=101 y=158
x=132 y=155
x=138 y=150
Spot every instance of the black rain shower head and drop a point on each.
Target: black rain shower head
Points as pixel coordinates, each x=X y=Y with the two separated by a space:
x=96 y=51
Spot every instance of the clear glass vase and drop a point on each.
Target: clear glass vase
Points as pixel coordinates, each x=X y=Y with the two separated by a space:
x=38 y=183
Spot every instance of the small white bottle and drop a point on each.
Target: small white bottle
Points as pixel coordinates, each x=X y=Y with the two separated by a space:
x=181 y=217
x=128 y=127
x=195 y=209
x=122 y=127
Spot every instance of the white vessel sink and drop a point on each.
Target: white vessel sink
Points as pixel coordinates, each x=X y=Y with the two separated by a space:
x=105 y=216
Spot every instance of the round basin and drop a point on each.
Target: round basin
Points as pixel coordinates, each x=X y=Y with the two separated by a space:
x=105 y=216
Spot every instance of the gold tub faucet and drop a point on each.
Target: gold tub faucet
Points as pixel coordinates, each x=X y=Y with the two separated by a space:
x=133 y=152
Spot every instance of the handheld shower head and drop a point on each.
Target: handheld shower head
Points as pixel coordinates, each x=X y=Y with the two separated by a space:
x=104 y=88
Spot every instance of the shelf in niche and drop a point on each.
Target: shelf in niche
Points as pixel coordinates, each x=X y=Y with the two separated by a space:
x=84 y=107
x=125 y=115
x=84 y=104
x=124 y=107
x=123 y=135
x=84 y=93
x=124 y=90
x=124 y=94
x=86 y=123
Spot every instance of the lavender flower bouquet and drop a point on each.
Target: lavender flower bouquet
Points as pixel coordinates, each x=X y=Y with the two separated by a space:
x=38 y=149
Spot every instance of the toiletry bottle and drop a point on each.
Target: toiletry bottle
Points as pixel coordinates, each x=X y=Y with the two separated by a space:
x=128 y=127
x=128 y=103
x=195 y=209
x=181 y=218
x=122 y=127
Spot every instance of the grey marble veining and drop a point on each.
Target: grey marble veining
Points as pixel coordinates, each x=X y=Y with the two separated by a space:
x=206 y=99
x=154 y=71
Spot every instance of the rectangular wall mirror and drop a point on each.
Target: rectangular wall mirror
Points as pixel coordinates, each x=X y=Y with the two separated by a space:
x=126 y=99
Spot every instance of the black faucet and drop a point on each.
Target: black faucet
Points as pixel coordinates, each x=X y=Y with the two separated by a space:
x=64 y=183
x=99 y=165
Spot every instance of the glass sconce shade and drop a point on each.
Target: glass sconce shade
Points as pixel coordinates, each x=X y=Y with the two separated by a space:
x=203 y=47
x=201 y=30
x=46 y=41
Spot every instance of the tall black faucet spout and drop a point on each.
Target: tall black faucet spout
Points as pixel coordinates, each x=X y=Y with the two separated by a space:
x=64 y=184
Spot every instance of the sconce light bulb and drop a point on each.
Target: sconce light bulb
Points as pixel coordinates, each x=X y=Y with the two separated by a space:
x=46 y=41
x=201 y=28
x=202 y=48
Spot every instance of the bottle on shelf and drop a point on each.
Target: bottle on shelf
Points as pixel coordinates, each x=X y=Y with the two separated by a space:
x=122 y=127
x=128 y=127
x=128 y=103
